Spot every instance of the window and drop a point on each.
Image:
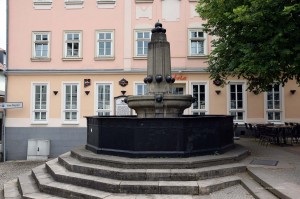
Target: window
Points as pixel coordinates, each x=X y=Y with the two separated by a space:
x=199 y=107
x=142 y=40
x=106 y=3
x=104 y=99
x=74 y=4
x=72 y=48
x=177 y=89
x=41 y=46
x=236 y=101
x=71 y=102
x=105 y=44
x=141 y=89
x=40 y=106
x=274 y=103
x=42 y=4
x=144 y=1
x=197 y=43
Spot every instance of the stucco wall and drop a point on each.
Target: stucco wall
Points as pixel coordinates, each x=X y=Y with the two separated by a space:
x=61 y=140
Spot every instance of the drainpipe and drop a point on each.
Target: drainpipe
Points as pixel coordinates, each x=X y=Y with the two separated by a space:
x=6 y=80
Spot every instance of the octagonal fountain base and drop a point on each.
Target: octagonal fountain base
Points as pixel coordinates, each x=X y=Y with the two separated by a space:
x=160 y=137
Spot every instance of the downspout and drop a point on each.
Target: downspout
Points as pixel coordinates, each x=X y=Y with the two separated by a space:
x=6 y=81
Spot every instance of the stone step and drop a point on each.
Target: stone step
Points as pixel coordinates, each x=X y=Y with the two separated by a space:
x=48 y=185
x=274 y=185
x=254 y=188
x=61 y=174
x=24 y=187
x=232 y=156
x=78 y=166
x=10 y=190
x=29 y=188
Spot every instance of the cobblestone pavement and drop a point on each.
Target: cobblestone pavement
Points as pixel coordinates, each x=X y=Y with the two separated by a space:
x=11 y=169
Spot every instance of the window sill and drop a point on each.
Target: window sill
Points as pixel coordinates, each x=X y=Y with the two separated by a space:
x=140 y=58
x=106 y=1
x=73 y=4
x=143 y=1
x=104 y=58
x=70 y=123
x=46 y=5
x=35 y=59
x=198 y=57
x=42 y=2
x=39 y=123
x=72 y=59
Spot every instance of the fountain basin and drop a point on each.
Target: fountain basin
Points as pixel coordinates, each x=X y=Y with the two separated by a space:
x=171 y=106
x=160 y=137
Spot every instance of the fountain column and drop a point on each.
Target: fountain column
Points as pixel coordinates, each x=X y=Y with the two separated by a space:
x=159 y=102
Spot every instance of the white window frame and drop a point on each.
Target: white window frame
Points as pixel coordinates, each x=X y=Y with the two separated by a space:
x=105 y=40
x=178 y=85
x=109 y=110
x=143 y=87
x=143 y=1
x=42 y=4
x=34 y=109
x=77 y=109
x=47 y=42
x=74 y=4
x=190 y=39
x=205 y=110
x=279 y=110
x=236 y=110
x=145 y=45
x=73 y=41
x=106 y=3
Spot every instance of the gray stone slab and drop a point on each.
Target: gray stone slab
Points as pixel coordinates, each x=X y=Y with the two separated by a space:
x=11 y=189
x=179 y=187
x=139 y=187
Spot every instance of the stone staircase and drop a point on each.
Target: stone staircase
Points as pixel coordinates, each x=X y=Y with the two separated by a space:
x=83 y=174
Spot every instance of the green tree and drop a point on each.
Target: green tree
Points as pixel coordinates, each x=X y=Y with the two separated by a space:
x=258 y=40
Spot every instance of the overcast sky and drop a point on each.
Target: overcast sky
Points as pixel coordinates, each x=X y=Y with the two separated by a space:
x=3 y=24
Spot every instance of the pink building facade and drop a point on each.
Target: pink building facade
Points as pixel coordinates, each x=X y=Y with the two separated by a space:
x=66 y=60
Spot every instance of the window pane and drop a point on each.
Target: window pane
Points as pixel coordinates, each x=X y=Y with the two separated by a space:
x=240 y=96
x=194 y=34
x=37 y=116
x=232 y=95
x=202 y=88
x=76 y=46
x=43 y=115
x=101 y=35
x=277 y=116
x=239 y=88
x=108 y=35
x=74 y=115
x=45 y=37
x=76 y=36
x=69 y=37
x=200 y=34
x=140 y=35
x=147 y=35
x=270 y=115
x=276 y=104
x=240 y=116
x=67 y=116
x=38 y=37
x=240 y=104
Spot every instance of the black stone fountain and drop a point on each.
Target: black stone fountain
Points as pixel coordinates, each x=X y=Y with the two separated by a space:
x=160 y=129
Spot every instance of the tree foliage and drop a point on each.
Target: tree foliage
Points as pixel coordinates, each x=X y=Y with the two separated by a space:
x=258 y=40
